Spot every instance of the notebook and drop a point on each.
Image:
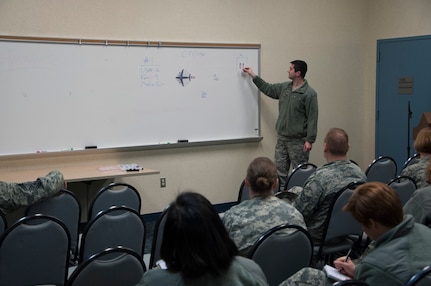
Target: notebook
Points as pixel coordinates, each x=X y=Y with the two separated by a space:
x=333 y=273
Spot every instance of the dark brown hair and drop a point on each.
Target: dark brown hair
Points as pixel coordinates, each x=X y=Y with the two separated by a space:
x=300 y=66
x=377 y=201
x=195 y=241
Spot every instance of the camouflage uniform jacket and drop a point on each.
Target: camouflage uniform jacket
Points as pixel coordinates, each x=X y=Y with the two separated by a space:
x=419 y=206
x=247 y=221
x=314 y=200
x=16 y=195
x=417 y=172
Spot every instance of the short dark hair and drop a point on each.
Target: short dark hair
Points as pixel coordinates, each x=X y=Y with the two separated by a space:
x=337 y=141
x=300 y=66
x=262 y=175
x=195 y=241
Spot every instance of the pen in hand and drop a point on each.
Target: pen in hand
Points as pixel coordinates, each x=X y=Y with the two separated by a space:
x=347 y=255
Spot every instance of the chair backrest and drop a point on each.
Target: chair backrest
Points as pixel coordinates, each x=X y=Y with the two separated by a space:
x=282 y=251
x=350 y=282
x=35 y=251
x=118 y=266
x=64 y=206
x=157 y=238
x=243 y=193
x=339 y=224
x=115 y=194
x=412 y=160
x=299 y=175
x=116 y=226
x=404 y=186
x=383 y=169
x=3 y=223
x=422 y=278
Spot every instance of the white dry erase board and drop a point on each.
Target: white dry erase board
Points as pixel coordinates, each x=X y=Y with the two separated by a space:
x=58 y=94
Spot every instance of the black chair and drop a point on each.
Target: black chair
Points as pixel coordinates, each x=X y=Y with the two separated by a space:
x=383 y=169
x=243 y=193
x=116 y=226
x=115 y=194
x=35 y=251
x=3 y=223
x=341 y=231
x=412 y=160
x=282 y=251
x=118 y=266
x=64 y=206
x=404 y=186
x=422 y=278
x=157 y=239
x=351 y=282
x=300 y=175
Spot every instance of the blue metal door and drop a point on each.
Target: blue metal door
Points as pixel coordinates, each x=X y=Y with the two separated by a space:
x=403 y=93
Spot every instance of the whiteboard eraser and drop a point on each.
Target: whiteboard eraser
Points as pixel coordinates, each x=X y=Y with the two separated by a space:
x=91 y=147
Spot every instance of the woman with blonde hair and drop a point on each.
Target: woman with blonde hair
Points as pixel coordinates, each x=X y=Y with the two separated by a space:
x=422 y=146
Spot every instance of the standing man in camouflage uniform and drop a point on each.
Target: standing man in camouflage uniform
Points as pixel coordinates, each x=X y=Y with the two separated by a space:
x=423 y=148
x=297 y=120
x=316 y=195
x=16 y=195
x=247 y=221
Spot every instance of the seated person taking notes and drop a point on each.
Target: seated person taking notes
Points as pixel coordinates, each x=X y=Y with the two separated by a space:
x=399 y=249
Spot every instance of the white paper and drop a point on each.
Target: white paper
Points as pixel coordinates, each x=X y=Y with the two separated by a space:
x=333 y=273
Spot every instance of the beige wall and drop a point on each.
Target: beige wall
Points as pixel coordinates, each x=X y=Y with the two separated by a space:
x=336 y=37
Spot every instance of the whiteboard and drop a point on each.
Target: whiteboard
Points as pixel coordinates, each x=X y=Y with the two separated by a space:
x=62 y=96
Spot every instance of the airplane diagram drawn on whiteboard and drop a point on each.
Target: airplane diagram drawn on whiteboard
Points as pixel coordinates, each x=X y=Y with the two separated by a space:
x=184 y=77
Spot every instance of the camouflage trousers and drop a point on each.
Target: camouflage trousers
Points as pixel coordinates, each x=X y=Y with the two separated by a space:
x=307 y=277
x=289 y=152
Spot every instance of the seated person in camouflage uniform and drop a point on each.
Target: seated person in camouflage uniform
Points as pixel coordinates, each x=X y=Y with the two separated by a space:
x=16 y=195
x=419 y=204
x=247 y=221
x=399 y=249
x=422 y=146
x=315 y=197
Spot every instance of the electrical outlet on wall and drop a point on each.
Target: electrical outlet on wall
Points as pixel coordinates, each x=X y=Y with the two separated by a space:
x=162 y=182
